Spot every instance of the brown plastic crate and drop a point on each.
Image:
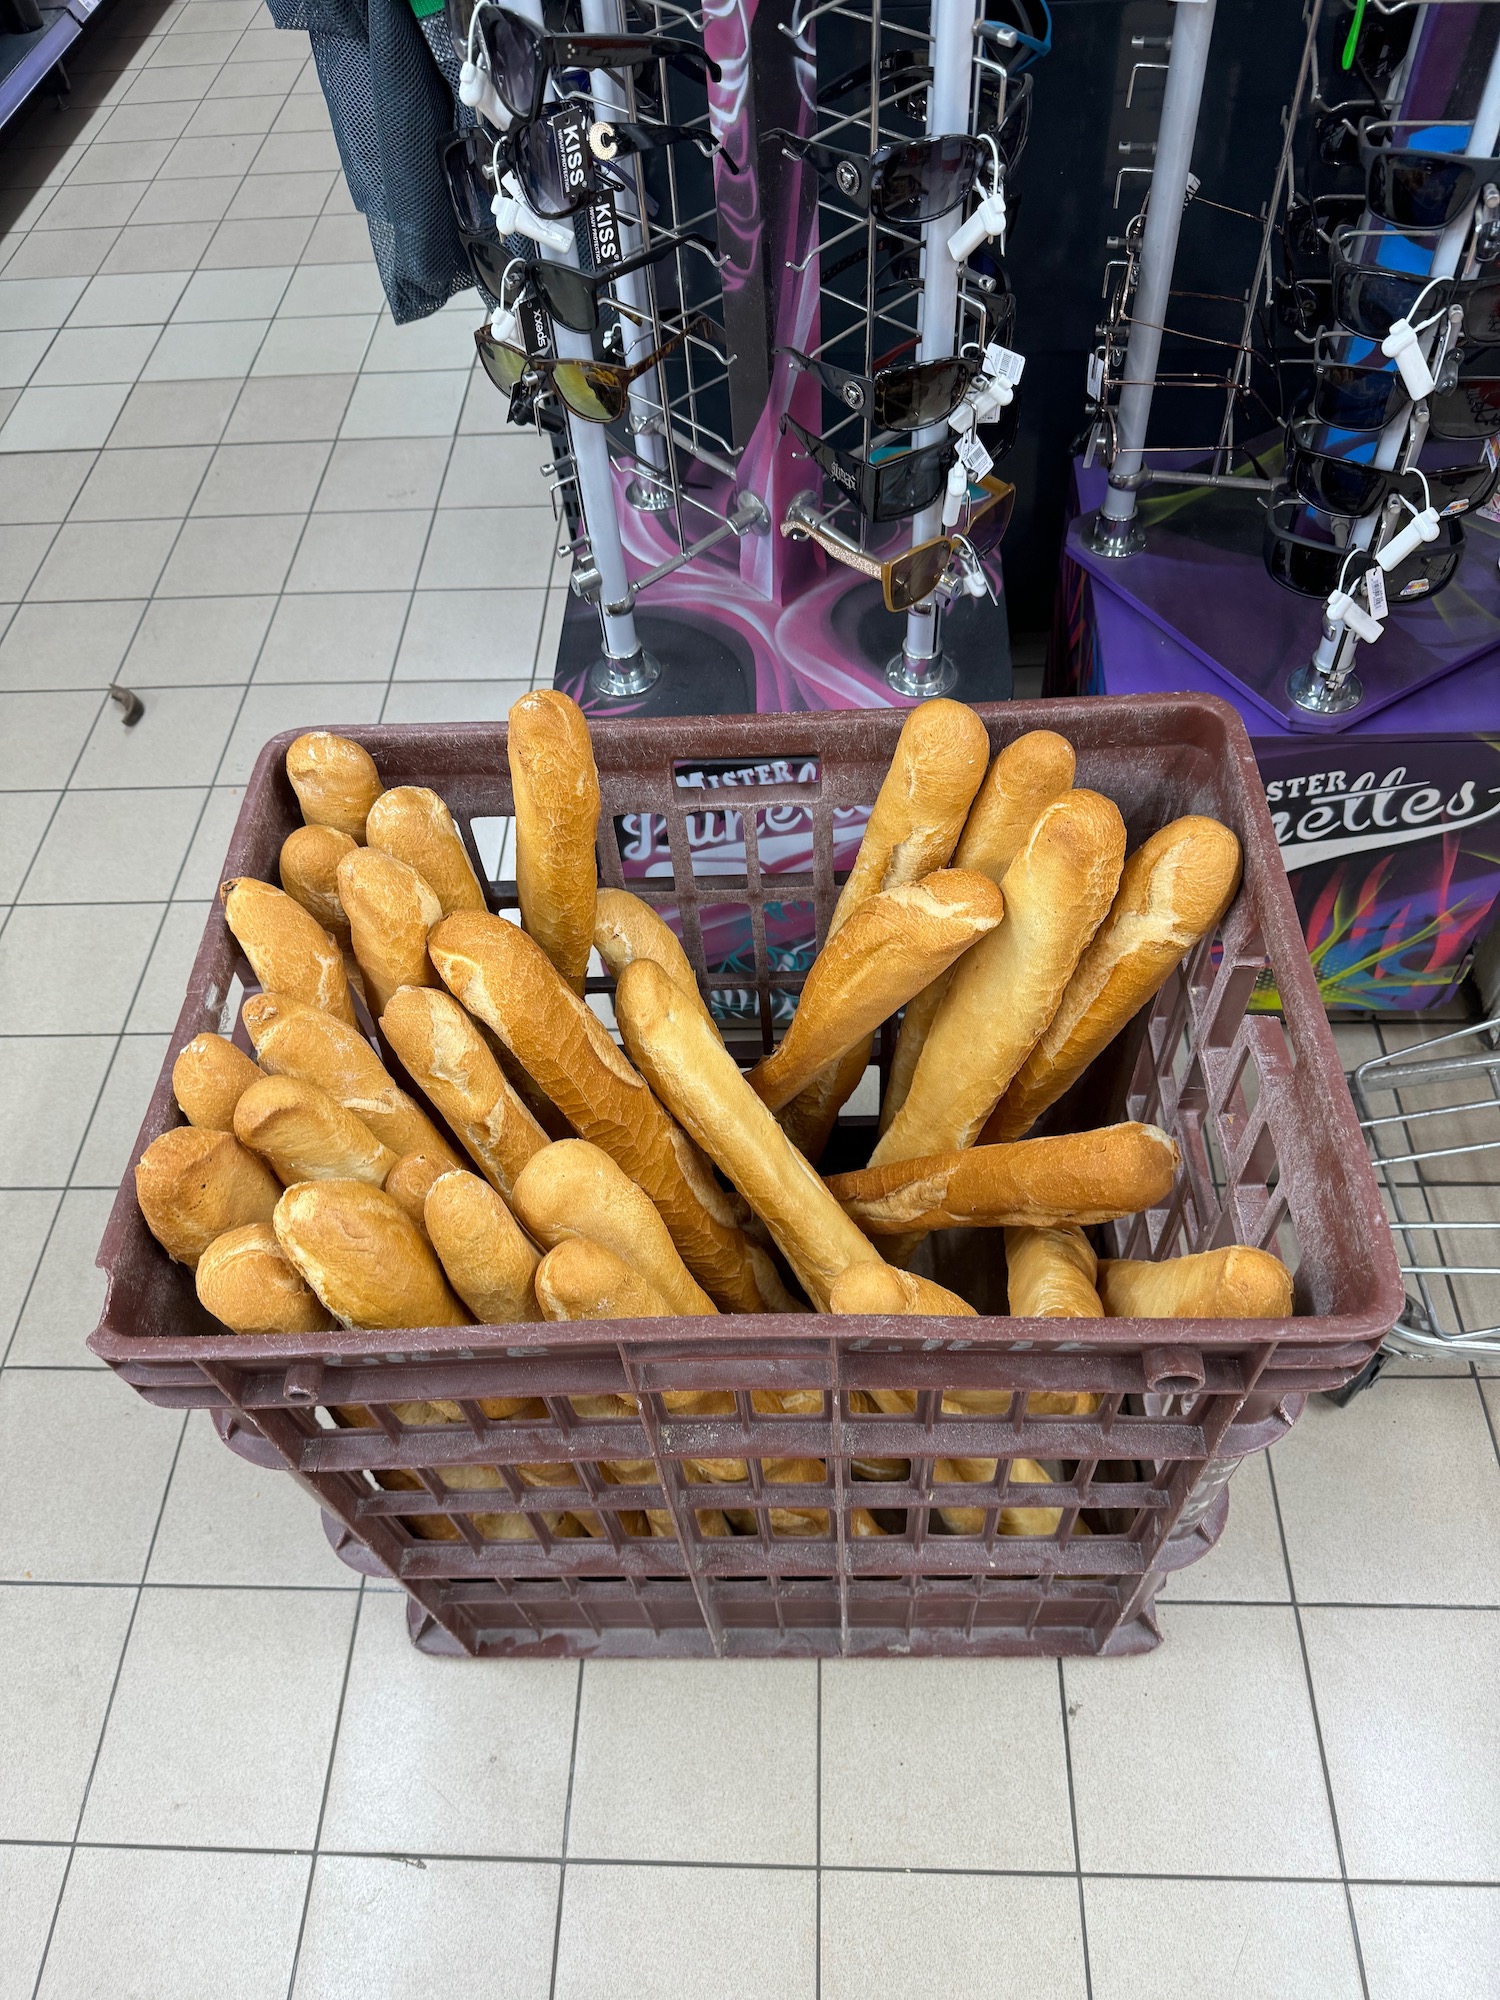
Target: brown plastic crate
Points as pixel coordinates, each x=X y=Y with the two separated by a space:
x=1272 y=1156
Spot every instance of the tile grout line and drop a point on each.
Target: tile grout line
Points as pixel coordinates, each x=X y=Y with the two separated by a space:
x=333 y=1751
x=1312 y=1698
x=567 y=1826
x=1083 y=1914
x=83 y=1804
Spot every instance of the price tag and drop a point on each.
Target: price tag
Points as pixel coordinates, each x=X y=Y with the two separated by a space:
x=1375 y=591
x=1492 y=452
x=973 y=457
x=1096 y=377
x=536 y=327
x=1004 y=364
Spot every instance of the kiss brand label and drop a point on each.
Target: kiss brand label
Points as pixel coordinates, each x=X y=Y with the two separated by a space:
x=603 y=223
x=571 y=129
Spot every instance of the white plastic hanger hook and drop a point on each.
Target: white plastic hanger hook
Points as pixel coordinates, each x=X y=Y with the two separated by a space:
x=1422 y=527
x=954 y=493
x=513 y=217
x=988 y=220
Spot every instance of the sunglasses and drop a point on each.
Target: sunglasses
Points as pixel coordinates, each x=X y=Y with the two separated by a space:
x=571 y=296
x=902 y=271
x=915 y=181
x=1353 y=487
x=1413 y=188
x=886 y=488
x=1345 y=395
x=1309 y=226
x=521 y=58
x=597 y=391
x=1368 y=299
x=913 y=575
x=554 y=158
x=896 y=399
x=1471 y=408
x=1315 y=568
x=1305 y=305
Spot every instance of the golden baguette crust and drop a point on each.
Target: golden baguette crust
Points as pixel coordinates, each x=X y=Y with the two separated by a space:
x=335 y=780
x=364 y=1256
x=555 y=786
x=1051 y=1274
x=809 y=1119
x=193 y=1185
x=412 y=824
x=573 y=1189
x=306 y=1136
x=309 y=869
x=445 y=1053
x=1024 y=777
x=209 y=1078
x=695 y=1075
x=881 y=1288
x=625 y=929
x=411 y=1180
x=1005 y=990
x=583 y=1280
x=244 y=1280
x=288 y=951
x=891 y=947
x=1079 y=1177
x=294 y=1040
x=506 y=980
x=489 y=1262
x=1174 y=889
x=1234 y=1283
x=391 y=910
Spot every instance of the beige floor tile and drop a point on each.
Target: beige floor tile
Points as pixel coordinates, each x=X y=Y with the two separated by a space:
x=177 y=1925
x=262 y=479
x=22 y=551
x=333 y=290
x=277 y=1659
x=141 y=121
x=135 y=299
x=94 y=952
x=158 y=246
x=59 y=1649
x=426 y=405
x=270 y=708
x=1255 y=1940
x=264 y=196
x=188 y=200
x=197 y=641
x=383 y=472
x=496 y=471
x=162 y=413
x=26 y=1217
x=95 y=354
x=30 y=1878
x=385 y=1929
x=95 y=207
x=61 y=253
x=21 y=354
x=63 y=419
x=178 y=740
x=201 y=871
x=67 y=1291
x=339 y=239
x=335 y=635
x=196 y=351
x=278 y=409
x=240 y=244
x=41 y=736
x=471 y=634
x=488 y=547
x=248 y=295
x=131 y=485
x=48 y=1084
x=1422 y=1943
x=256 y=79
x=1413 y=1757
x=446 y=340
x=329 y=346
x=297 y=153
x=24 y=818
x=104 y=559
x=1367 y=1497
x=739 y=1935
x=894 y=1795
x=138 y=837
x=171 y=86
x=220 y=157
x=451 y=701
x=229 y=1522
x=360 y=551
x=41 y=485
x=732 y=1782
x=231 y=555
x=38 y=302
x=158 y=999
x=218 y=115
x=968 y=1937
x=109 y=1147
x=405 y=1776
x=1202 y=1754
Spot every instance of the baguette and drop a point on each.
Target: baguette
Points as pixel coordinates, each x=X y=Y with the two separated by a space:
x=574 y=1190
x=293 y=1040
x=1174 y=889
x=1005 y=991
x=1051 y=1274
x=413 y=825
x=488 y=1260
x=335 y=780
x=583 y=1280
x=626 y=929
x=364 y=1257
x=1038 y=1183
x=1234 y=1283
x=209 y=1078
x=445 y=1053
x=192 y=1185
x=306 y=1136
x=504 y=978
x=244 y=1280
x=1013 y=1520
x=289 y=952
x=556 y=790
x=809 y=1119
x=691 y=1070
x=391 y=910
x=309 y=869
x=882 y=1289
x=893 y=945
x=412 y=1179
x=1025 y=776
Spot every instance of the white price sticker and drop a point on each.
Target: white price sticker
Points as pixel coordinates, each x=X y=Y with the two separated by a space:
x=1096 y=377
x=1492 y=452
x=973 y=457
x=1375 y=591
x=1004 y=364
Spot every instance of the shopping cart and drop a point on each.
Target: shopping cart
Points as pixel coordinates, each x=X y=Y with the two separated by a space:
x=1431 y=1118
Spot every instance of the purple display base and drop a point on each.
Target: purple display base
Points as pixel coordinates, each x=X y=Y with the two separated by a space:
x=1207 y=591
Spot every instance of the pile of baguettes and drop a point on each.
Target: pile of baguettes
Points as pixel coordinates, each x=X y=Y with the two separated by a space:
x=992 y=901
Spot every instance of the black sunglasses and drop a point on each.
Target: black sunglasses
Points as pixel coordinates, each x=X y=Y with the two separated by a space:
x=1305 y=305
x=886 y=489
x=896 y=399
x=1353 y=487
x=521 y=57
x=570 y=296
x=1413 y=188
x=1471 y=408
x=916 y=180
x=1314 y=568
x=1368 y=299
x=1309 y=227
x=1345 y=395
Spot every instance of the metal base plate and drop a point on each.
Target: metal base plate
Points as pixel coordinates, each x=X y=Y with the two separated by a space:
x=624 y=677
x=1115 y=539
x=920 y=680
x=1312 y=690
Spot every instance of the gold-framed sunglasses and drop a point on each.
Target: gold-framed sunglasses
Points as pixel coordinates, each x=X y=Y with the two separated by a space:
x=906 y=579
x=597 y=391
